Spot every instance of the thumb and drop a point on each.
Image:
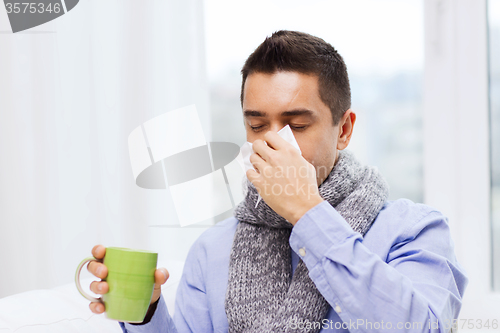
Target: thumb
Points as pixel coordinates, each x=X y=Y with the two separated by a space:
x=161 y=276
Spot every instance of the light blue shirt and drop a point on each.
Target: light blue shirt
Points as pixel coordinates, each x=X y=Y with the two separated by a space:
x=401 y=276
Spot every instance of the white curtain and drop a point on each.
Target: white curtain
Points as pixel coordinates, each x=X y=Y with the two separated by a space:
x=71 y=91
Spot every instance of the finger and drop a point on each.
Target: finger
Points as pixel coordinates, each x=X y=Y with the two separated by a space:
x=274 y=140
x=262 y=149
x=161 y=276
x=254 y=178
x=99 y=287
x=258 y=163
x=97 y=269
x=97 y=307
x=99 y=251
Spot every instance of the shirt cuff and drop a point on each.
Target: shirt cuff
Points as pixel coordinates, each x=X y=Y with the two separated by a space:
x=317 y=231
x=161 y=319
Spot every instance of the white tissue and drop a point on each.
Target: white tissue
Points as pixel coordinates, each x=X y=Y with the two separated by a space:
x=247 y=150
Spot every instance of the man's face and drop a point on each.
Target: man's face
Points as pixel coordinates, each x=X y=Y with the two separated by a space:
x=272 y=101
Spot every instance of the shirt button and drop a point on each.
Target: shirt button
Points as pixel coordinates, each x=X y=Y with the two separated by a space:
x=337 y=308
x=302 y=252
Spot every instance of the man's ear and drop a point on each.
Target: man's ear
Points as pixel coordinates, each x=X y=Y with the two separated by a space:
x=346 y=126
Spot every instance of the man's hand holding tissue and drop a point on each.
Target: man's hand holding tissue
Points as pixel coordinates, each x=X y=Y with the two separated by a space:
x=285 y=180
x=101 y=271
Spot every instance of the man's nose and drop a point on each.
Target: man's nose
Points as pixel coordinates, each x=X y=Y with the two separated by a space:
x=275 y=127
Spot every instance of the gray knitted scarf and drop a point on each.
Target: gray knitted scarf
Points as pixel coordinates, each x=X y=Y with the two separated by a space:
x=262 y=295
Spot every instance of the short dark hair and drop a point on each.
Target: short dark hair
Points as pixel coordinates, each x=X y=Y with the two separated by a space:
x=300 y=52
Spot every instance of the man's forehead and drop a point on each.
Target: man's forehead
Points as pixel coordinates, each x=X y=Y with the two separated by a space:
x=283 y=95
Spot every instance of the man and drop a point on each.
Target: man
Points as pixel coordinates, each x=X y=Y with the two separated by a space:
x=324 y=250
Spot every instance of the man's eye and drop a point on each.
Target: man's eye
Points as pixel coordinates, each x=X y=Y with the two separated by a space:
x=298 y=128
x=256 y=128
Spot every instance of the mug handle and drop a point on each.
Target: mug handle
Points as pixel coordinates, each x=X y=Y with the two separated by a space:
x=77 y=279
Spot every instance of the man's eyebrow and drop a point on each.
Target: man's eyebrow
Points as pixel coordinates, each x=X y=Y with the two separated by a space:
x=252 y=113
x=299 y=112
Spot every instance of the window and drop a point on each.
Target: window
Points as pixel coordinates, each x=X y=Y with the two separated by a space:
x=494 y=94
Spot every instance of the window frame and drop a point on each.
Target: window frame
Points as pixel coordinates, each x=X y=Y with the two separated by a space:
x=456 y=145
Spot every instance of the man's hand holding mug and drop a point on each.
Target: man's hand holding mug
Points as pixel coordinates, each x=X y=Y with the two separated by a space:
x=132 y=277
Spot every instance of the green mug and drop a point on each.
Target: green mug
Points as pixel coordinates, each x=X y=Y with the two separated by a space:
x=131 y=278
